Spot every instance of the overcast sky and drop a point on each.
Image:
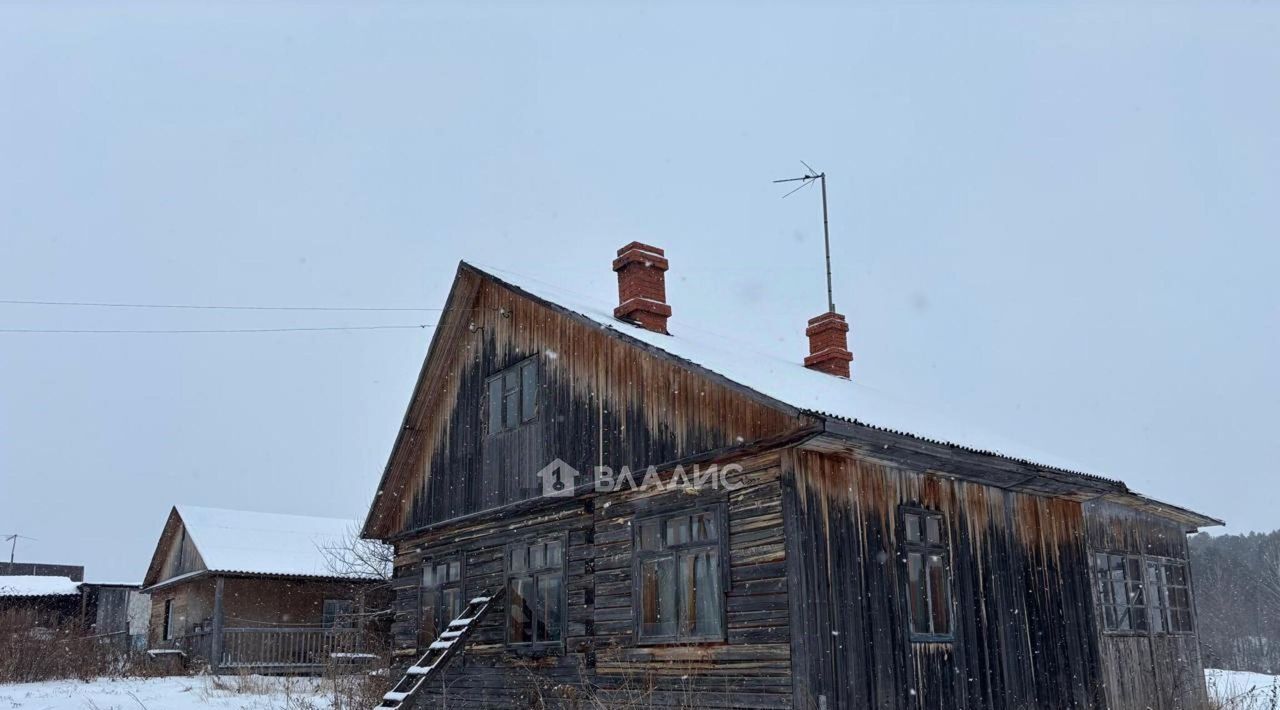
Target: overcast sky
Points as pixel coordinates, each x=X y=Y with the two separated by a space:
x=1060 y=221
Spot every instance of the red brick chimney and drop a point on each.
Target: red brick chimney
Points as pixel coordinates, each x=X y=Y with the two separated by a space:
x=642 y=287
x=829 y=345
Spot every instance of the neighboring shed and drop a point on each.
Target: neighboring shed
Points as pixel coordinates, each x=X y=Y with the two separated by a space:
x=262 y=590
x=38 y=602
x=114 y=613
x=42 y=569
x=122 y=616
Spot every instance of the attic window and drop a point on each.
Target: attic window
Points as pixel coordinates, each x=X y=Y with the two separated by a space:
x=928 y=559
x=513 y=396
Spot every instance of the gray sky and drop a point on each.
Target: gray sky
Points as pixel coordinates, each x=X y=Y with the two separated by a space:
x=1060 y=220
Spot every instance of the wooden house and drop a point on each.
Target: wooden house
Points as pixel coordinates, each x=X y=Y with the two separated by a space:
x=267 y=592
x=847 y=550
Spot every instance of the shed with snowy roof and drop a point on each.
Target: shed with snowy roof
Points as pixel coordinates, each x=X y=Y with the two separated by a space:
x=668 y=510
x=263 y=591
x=39 y=602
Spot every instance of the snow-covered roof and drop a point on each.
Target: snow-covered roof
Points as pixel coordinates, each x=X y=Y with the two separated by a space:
x=789 y=382
x=37 y=586
x=238 y=541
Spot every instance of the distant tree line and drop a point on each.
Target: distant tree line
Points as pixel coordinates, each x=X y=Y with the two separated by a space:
x=1237 y=590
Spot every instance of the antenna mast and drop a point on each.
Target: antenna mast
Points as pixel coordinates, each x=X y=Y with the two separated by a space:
x=14 y=547
x=808 y=179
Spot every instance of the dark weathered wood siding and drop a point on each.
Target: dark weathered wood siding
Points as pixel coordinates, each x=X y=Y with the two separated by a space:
x=815 y=600
x=602 y=400
x=750 y=669
x=1160 y=671
x=1022 y=608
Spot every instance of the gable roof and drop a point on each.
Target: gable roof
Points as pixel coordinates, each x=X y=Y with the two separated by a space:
x=786 y=384
x=264 y=544
x=37 y=586
x=789 y=382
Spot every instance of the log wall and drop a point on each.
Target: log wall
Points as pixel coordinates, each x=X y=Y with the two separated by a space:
x=1023 y=618
x=1162 y=671
x=600 y=658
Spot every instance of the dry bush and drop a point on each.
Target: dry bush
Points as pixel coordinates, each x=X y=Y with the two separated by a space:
x=29 y=655
x=1229 y=693
x=357 y=685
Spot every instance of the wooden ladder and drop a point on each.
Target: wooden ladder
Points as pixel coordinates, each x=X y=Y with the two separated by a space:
x=440 y=652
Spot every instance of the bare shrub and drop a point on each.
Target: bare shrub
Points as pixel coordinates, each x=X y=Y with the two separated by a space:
x=29 y=655
x=1227 y=692
x=361 y=684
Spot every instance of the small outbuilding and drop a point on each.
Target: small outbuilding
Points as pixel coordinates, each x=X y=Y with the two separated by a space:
x=37 y=598
x=39 y=602
x=263 y=591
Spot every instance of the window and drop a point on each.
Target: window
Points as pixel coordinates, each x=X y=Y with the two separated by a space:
x=535 y=592
x=679 y=577
x=337 y=614
x=1142 y=595
x=1121 y=593
x=928 y=561
x=513 y=396
x=168 y=620
x=1170 y=595
x=440 y=597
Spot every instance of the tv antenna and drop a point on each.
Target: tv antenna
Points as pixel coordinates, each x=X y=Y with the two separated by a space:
x=13 y=547
x=806 y=180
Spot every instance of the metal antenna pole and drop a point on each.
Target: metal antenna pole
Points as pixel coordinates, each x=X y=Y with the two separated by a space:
x=14 y=547
x=826 y=242
x=805 y=180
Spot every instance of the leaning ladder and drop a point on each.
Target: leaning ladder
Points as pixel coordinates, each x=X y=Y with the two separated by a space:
x=440 y=652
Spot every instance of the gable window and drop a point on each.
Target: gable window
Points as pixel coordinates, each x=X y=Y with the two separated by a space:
x=535 y=592
x=337 y=614
x=679 y=577
x=513 y=396
x=1142 y=595
x=440 y=596
x=928 y=559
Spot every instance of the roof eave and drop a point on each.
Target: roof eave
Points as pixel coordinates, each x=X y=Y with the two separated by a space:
x=1087 y=486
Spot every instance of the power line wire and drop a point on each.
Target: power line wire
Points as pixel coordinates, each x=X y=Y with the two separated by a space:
x=220 y=330
x=97 y=304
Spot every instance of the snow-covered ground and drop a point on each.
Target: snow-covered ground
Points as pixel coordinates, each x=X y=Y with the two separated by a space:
x=178 y=693
x=1237 y=690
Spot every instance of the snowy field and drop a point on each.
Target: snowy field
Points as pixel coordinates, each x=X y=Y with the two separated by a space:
x=1234 y=690
x=1237 y=690
x=178 y=693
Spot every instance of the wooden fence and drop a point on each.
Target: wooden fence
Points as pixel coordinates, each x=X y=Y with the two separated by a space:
x=308 y=649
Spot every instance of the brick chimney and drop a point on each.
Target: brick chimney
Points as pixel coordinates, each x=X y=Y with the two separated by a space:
x=829 y=345
x=642 y=287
